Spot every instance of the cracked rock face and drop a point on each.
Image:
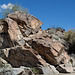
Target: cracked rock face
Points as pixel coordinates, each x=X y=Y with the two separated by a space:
x=24 y=43
x=20 y=56
x=52 y=51
x=28 y=24
x=18 y=25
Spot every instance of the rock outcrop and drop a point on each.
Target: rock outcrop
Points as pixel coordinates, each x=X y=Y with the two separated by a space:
x=24 y=43
x=16 y=71
x=51 y=50
x=22 y=56
x=27 y=23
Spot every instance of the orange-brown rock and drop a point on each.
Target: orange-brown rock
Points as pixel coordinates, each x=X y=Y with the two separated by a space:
x=13 y=29
x=51 y=50
x=21 y=56
x=28 y=24
x=24 y=43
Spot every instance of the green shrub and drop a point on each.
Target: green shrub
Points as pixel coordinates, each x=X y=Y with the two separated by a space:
x=35 y=70
x=2 y=19
x=14 y=8
x=70 y=38
x=57 y=27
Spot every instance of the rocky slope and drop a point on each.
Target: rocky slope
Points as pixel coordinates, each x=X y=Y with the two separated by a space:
x=29 y=50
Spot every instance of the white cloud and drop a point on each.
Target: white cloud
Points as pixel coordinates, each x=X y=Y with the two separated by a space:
x=9 y=5
x=3 y=6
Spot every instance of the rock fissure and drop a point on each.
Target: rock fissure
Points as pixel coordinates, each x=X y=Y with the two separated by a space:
x=24 y=43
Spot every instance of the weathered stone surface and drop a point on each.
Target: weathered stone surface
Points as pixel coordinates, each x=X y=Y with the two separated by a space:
x=27 y=18
x=24 y=43
x=72 y=60
x=1 y=28
x=4 y=63
x=52 y=51
x=57 y=34
x=63 y=68
x=49 y=70
x=28 y=24
x=16 y=71
x=20 y=56
x=5 y=41
x=13 y=29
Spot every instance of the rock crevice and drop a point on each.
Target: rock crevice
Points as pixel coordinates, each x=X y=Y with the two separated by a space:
x=24 y=43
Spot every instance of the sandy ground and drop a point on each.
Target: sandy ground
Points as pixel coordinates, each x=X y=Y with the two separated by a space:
x=62 y=74
x=67 y=74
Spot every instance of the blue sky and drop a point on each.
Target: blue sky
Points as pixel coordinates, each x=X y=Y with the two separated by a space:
x=51 y=12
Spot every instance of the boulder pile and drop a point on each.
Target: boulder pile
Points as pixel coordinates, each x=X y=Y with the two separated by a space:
x=29 y=49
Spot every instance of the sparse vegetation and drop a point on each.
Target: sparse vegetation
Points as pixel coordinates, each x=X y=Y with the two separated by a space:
x=35 y=70
x=70 y=38
x=2 y=19
x=51 y=31
x=13 y=9
x=56 y=27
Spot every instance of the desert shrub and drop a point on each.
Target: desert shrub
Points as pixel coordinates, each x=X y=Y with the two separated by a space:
x=70 y=38
x=35 y=70
x=57 y=27
x=52 y=31
x=2 y=19
x=13 y=9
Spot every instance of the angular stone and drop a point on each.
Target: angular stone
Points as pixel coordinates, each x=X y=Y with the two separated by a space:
x=1 y=28
x=34 y=22
x=5 y=41
x=13 y=31
x=49 y=70
x=27 y=23
x=64 y=69
x=16 y=71
x=49 y=49
x=20 y=56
